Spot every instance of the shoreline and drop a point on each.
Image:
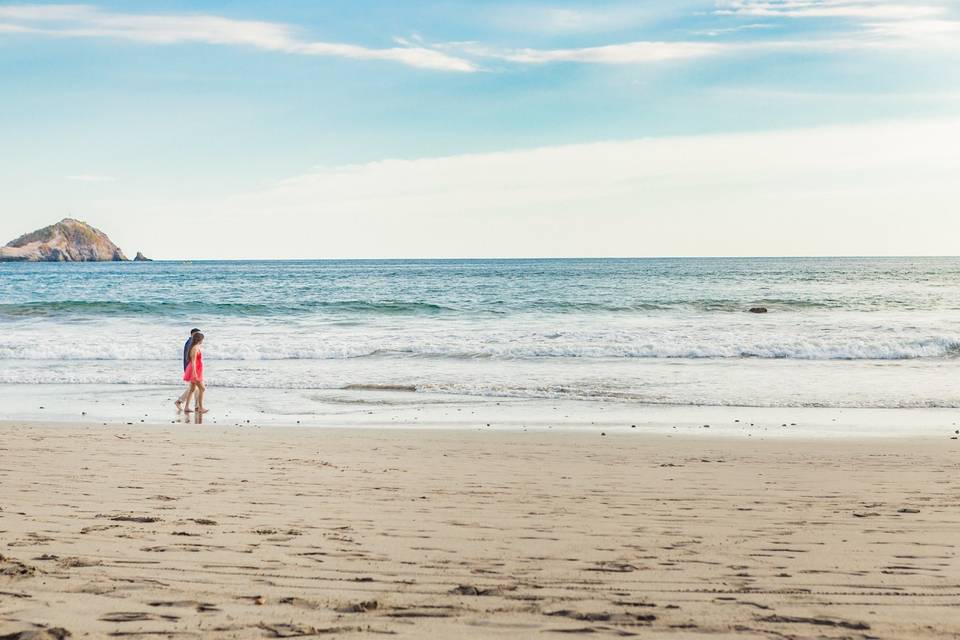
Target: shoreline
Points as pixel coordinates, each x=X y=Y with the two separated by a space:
x=122 y=405
x=223 y=532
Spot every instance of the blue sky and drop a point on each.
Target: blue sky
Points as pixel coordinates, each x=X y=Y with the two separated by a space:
x=245 y=118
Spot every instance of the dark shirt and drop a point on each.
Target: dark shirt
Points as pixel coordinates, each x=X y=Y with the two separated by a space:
x=186 y=352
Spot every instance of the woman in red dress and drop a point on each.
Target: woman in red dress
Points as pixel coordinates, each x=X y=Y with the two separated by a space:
x=194 y=371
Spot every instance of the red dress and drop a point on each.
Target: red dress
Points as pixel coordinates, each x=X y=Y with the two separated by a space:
x=189 y=375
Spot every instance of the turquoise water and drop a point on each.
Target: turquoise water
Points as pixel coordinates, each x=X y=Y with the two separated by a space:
x=874 y=332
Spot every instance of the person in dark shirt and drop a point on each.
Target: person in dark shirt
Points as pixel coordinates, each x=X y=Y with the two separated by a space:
x=184 y=399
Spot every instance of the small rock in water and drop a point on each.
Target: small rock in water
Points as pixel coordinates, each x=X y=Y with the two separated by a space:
x=758 y=309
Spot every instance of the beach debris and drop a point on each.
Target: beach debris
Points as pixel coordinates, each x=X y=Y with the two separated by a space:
x=203 y=521
x=295 y=630
x=613 y=567
x=98 y=527
x=135 y=616
x=360 y=607
x=908 y=510
x=470 y=590
x=140 y=519
x=430 y=611
x=603 y=616
x=74 y=562
x=865 y=514
x=757 y=310
x=52 y=633
x=824 y=622
x=191 y=604
x=303 y=603
x=11 y=568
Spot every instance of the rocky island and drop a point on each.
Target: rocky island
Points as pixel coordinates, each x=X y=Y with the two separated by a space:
x=69 y=240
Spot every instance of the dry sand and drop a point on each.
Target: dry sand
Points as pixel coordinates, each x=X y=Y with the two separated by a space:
x=200 y=531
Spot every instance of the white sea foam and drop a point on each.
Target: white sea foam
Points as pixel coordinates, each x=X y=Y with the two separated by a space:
x=771 y=383
x=698 y=343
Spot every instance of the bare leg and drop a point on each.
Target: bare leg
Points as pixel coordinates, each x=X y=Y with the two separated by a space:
x=189 y=394
x=184 y=398
x=201 y=388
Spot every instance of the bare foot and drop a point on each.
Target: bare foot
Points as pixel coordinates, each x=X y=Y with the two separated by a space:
x=179 y=405
x=188 y=410
x=202 y=410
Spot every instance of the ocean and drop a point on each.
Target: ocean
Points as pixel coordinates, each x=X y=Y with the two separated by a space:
x=839 y=332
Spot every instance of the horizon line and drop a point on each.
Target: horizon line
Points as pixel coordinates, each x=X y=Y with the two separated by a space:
x=492 y=258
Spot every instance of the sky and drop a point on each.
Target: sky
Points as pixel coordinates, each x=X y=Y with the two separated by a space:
x=444 y=128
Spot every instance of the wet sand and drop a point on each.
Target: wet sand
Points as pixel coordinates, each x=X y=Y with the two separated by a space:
x=227 y=532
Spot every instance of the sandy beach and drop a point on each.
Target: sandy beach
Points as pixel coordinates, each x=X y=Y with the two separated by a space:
x=188 y=531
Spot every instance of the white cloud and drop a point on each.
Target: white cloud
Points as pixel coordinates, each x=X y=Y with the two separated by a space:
x=948 y=30
x=83 y=21
x=828 y=9
x=742 y=27
x=889 y=26
x=90 y=178
x=870 y=189
x=625 y=53
x=561 y=20
x=876 y=24
x=914 y=35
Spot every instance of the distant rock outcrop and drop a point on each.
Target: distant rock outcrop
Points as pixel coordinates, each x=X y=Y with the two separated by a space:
x=66 y=241
x=141 y=258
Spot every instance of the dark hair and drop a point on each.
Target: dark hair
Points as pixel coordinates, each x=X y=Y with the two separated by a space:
x=193 y=331
x=197 y=338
